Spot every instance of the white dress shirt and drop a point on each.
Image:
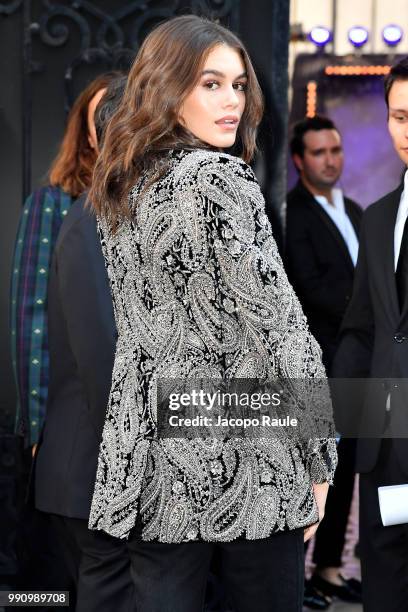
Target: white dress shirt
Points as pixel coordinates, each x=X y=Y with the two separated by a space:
x=400 y=222
x=337 y=213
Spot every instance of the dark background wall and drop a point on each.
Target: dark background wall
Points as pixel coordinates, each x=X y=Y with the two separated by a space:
x=50 y=50
x=11 y=181
x=264 y=27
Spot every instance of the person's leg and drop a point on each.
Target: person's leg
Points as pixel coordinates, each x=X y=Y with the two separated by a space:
x=330 y=537
x=41 y=559
x=384 y=550
x=265 y=575
x=215 y=594
x=52 y=556
x=169 y=577
x=104 y=578
x=70 y=548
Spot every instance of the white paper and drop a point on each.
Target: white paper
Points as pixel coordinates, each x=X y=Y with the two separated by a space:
x=393 y=504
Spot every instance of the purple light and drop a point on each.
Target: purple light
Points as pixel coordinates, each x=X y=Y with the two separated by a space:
x=358 y=36
x=392 y=35
x=320 y=36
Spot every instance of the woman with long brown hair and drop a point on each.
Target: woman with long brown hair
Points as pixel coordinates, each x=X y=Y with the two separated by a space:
x=199 y=293
x=44 y=210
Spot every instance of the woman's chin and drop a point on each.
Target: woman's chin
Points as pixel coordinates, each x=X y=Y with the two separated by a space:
x=223 y=142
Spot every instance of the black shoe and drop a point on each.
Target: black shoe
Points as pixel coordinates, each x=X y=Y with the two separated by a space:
x=354 y=584
x=349 y=591
x=313 y=599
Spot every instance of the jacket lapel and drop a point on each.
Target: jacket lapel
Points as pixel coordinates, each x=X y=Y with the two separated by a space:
x=331 y=226
x=385 y=245
x=354 y=217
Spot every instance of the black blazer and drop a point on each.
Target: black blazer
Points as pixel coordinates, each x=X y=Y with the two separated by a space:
x=319 y=265
x=374 y=336
x=82 y=337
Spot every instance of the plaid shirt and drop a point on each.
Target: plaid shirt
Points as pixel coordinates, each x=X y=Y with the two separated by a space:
x=41 y=219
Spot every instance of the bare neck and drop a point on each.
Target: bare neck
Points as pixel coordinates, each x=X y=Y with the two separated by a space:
x=319 y=191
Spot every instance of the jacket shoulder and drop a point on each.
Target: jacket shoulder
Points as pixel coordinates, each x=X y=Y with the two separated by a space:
x=79 y=217
x=200 y=160
x=297 y=197
x=77 y=210
x=225 y=180
x=47 y=195
x=378 y=208
x=299 y=206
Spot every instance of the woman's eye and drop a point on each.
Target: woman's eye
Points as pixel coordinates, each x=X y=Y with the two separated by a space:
x=240 y=86
x=211 y=85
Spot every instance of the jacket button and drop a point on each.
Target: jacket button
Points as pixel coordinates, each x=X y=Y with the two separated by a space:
x=399 y=337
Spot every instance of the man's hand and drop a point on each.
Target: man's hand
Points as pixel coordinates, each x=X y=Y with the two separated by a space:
x=320 y=492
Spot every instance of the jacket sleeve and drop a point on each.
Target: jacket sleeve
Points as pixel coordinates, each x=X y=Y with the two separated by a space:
x=316 y=285
x=35 y=241
x=252 y=289
x=87 y=308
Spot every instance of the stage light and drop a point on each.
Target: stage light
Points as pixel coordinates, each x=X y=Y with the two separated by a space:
x=320 y=36
x=392 y=35
x=377 y=70
x=311 y=99
x=358 y=36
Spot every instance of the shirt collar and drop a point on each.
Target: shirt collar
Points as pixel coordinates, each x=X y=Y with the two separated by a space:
x=403 y=207
x=406 y=181
x=337 y=197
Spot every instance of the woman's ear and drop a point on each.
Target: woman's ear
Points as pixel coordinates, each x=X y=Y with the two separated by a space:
x=92 y=137
x=92 y=143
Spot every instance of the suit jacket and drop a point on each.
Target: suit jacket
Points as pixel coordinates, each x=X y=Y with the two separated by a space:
x=319 y=265
x=200 y=291
x=82 y=337
x=374 y=336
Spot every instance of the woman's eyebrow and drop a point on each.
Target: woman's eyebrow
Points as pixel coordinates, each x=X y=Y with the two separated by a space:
x=222 y=75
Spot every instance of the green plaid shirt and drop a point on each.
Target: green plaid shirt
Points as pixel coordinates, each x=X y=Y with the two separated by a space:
x=40 y=222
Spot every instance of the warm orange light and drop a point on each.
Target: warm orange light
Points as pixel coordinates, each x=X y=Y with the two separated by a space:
x=357 y=70
x=311 y=98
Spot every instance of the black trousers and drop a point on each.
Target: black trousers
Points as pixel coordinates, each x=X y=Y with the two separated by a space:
x=100 y=566
x=263 y=575
x=331 y=535
x=40 y=557
x=384 y=550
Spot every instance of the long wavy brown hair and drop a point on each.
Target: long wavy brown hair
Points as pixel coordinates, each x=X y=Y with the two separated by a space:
x=166 y=69
x=72 y=168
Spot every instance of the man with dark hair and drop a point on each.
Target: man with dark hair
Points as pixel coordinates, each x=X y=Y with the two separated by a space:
x=322 y=229
x=314 y=124
x=82 y=337
x=374 y=343
x=398 y=72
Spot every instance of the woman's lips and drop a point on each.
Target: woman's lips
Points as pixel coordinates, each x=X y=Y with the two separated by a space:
x=228 y=123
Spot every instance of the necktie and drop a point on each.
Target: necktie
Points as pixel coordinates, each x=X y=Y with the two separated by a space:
x=401 y=274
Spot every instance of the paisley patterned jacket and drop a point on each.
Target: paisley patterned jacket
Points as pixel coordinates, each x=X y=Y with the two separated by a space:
x=199 y=291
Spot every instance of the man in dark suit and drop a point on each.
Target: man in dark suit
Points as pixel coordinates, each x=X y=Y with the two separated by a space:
x=374 y=343
x=82 y=336
x=322 y=228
